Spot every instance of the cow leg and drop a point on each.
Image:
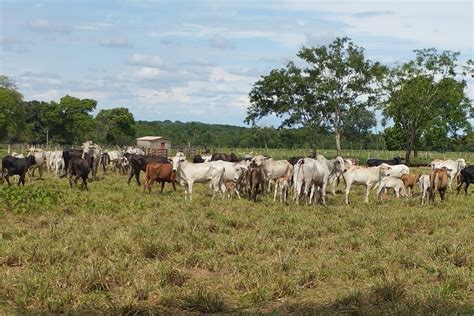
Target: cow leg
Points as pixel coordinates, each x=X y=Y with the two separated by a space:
x=162 y=186
x=323 y=192
x=348 y=189
x=190 y=190
x=130 y=176
x=442 y=193
x=367 y=191
x=237 y=192
x=276 y=192
x=84 y=183
x=6 y=178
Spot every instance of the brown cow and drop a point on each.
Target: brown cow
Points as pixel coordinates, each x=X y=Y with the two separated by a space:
x=159 y=172
x=438 y=182
x=409 y=180
x=255 y=179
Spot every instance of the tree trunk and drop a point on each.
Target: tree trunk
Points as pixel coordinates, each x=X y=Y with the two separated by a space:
x=338 y=143
x=409 y=147
x=337 y=130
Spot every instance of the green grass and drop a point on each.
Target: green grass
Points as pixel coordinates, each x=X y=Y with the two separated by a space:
x=119 y=250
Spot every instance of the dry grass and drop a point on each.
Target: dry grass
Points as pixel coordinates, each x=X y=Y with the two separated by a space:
x=116 y=249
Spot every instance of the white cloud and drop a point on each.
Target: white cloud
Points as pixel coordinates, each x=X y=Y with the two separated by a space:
x=145 y=60
x=147 y=73
x=116 y=43
x=219 y=74
x=44 y=25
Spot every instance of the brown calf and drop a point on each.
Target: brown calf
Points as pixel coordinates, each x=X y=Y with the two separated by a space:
x=438 y=182
x=159 y=172
x=231 y=189
x=409 y=180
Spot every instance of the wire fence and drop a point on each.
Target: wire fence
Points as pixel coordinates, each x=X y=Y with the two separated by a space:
x=277 y=153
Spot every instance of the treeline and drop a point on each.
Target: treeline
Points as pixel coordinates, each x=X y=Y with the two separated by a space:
x=217 y=135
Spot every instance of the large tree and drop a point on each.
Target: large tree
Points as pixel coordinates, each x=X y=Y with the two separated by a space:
x=12 y=111
x=425 y=93
x=334 y=80
x=116 y=126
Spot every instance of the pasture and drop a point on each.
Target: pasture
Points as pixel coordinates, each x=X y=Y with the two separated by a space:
x=117 y=249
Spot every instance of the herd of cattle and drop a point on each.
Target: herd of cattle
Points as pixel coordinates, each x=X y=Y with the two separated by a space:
x=305 y=178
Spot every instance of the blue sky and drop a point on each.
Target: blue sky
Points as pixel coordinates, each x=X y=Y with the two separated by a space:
x=197 y=60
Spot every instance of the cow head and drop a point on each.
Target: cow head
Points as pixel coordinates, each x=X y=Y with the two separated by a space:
x=340 y=164
x=260 y=160
x=31 y=160
x=180 y=157
x=239 y=171
x=385 y=170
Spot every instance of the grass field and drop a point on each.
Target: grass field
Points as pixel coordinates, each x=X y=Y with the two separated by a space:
x=116 y=249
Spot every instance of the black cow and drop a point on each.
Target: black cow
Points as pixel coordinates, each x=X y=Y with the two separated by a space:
x=466 y=177
x=377 y=162
x=221 y=156
x=294 y=160
x=78 y=168
x=198 y=159
x=138 y=163
x=19 y=166
x=68 y=154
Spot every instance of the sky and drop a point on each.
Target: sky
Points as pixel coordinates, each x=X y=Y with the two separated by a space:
x=197 y=60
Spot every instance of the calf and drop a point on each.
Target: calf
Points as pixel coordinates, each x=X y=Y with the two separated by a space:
x=231 y=189
x=424 y=183
x=377 y=162
x=409 y=181
x=281 y=188
x=391 y=182
x=438 y=182
x=139 y=162
x=78 y=168
x=466 y=177
x=16 y=166
x=160 y=173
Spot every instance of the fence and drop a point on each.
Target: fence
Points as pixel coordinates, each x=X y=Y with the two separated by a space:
x=278 y=153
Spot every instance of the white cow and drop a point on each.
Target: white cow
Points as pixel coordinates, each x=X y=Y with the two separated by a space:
x=454 y=167
x=273 y=169
x=40 y=158
x=424 y=183
x=57 y=163
x=115 y=157
x=188 y=173
x=336 y=167
x=49 y=156
x=393 y=183
x=14 y=154
x=313 y=174
x=368 y=177
x=96 y=151
x=136 y=151
x=397 y=171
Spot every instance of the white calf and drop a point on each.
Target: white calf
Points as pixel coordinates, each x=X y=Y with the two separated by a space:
x=281 y=188
x=424 y=183
x=394 y=183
